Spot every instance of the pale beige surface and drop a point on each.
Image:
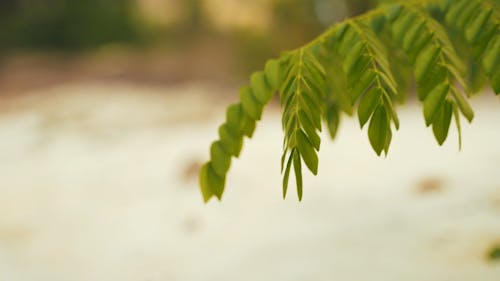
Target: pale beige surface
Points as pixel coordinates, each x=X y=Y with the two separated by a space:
x=96 y=183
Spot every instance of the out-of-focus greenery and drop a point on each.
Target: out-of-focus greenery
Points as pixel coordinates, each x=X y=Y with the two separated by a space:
x=494 y=253
x=66 y=24
x=83 y=24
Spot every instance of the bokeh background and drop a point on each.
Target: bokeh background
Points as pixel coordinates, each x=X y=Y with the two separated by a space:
x=107 y=111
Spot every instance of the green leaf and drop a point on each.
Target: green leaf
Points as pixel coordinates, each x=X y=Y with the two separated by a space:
x=307 y=152
x=211 y=184
x=495 y=81
x=250 y=104
x=441 y=124
x=230 y=140
x=367 y=79
x=206 y=191
x=390 y=108
x=436 y=76
x=412 y=35
x=247 y=125
x=341 y=30
x=491 y=57
x=260 y=89
x=460 y=12
x=353 y=57
x=273 y=74
x=388 y=82
x=312 y=62
x=414 y=49
x=315 y=88
x=402 y=24
x=347 y=40
x=393 y=12
x=234 y=116
x=388 y=140
x=456 y=114
x=474 y=29
x=309 y=129
x=298 y=173
x=221 y=161
x=287 y=173
x=463 y=105
x=290 y=129
x=311 y=109
x=368 y=103
x=425 y=61
x=289 y=86
x=433 y=102
x=333 y=120
x=377 y=131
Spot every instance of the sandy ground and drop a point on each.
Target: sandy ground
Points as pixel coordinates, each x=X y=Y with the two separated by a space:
x=99 y=183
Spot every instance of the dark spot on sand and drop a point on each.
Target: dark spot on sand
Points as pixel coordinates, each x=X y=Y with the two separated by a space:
x=429 y=185
x=191 y=224
x=191 y=170
x=15 y=236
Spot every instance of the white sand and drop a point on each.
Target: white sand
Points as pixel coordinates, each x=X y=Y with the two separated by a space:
x=95 y=185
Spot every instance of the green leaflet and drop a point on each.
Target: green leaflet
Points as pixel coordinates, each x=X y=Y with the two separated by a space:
x=308 y=127
x=442 y=120
x=274 y=74
x=333 y=120
x=463 y=105
x=250 y=104
x=234 y=117
x=260 y=88
x=425 y=61
x=287 y=173
x=211 y=184
x=433 y=102
x=365 y=81
x=247 y=125
x=495 y=83
x=473 y=31
x=377 y=131
x=221 y=161
x=491 y=57
x=456 y=115
x=310 y=107
x=368 y=103
x=388 y=139
x=307 y=152
x=231 y=141
x=206 y=190
x=298 y=173
x=362 y=64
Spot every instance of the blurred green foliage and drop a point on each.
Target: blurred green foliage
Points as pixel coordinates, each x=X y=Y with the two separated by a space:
x=66 y=24
x=494 y=253
x=83 y=24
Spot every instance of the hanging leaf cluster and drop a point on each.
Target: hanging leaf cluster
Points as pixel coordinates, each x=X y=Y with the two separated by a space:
x=348 y=69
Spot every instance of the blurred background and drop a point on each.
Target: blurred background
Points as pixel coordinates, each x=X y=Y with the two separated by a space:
x=107 y=111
